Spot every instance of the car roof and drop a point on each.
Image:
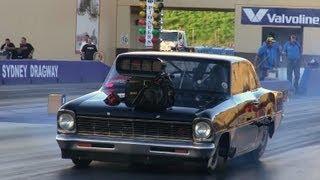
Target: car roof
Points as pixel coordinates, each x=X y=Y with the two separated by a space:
x=231 y=59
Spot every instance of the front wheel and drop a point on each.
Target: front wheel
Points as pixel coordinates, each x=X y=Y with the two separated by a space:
x=216 y=162
x=81 y=163
x=257 y=154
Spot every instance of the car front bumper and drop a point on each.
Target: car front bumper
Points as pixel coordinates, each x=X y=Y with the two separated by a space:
x=116 y=149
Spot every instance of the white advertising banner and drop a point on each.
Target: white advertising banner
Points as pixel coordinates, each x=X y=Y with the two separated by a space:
x=149 y=21
x=88 y=17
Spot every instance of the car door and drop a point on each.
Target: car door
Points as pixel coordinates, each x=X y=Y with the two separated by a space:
x=247 y=131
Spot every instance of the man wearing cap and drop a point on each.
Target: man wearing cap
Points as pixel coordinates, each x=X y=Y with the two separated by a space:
x=266 y=58
x=292 y=51
x=277 y=48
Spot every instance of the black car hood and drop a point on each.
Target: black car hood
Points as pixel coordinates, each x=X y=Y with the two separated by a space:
x=93 y=105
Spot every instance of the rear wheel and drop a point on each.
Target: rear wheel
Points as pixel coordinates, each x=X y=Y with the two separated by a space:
x=81 y=163
x=257 y=154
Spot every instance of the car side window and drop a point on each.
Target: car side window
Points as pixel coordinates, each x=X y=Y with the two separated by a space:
x=252 y=77
x=243 y=78
x=244 y=70
x=237 y=79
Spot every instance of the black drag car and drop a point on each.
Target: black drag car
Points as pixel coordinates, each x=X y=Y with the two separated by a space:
x=171 y=107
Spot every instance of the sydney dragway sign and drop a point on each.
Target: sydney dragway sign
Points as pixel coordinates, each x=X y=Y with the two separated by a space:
x=280 y=16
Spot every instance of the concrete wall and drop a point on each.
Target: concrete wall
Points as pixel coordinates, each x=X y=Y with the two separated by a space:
x=50 y=25
x=108 y=29
x=248 y=37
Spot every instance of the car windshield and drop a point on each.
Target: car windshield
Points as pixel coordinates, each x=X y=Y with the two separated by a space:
x=196 y=82
x=169 y=36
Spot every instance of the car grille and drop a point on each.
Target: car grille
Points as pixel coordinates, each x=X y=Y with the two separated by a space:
x=132 y=128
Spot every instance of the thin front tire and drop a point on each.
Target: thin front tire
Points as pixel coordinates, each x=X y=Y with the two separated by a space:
x=81 y=163
x=216 y=162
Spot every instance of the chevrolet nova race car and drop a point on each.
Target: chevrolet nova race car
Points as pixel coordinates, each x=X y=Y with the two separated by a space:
x=171 y=107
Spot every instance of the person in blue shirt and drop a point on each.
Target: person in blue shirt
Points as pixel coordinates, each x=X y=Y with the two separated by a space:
x=266 y=58
x=292 y=51
x=276 y=48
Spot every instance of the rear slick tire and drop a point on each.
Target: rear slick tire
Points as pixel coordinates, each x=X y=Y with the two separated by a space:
x=257 y=154
x=81 y=163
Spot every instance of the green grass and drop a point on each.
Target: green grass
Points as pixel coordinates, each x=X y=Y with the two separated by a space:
x=209 y=28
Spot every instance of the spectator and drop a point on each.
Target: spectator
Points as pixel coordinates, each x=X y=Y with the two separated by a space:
x=276 y=48
x=8 y=49
x=89 y=50
x=85 y=40
x=26 y=50
x=292 y=51
x=266 y=58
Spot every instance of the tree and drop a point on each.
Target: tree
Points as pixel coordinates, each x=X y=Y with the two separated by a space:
x=209 y=28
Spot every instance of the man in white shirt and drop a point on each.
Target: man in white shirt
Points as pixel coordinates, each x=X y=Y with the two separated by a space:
x=83 y=43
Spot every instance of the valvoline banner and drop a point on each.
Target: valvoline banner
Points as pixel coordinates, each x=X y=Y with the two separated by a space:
x=280 y=16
